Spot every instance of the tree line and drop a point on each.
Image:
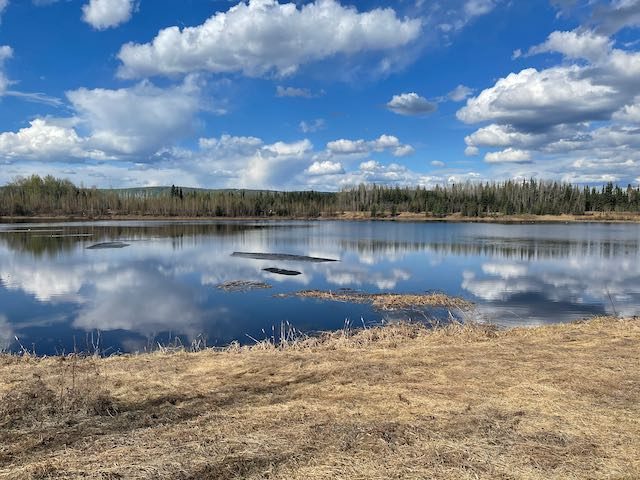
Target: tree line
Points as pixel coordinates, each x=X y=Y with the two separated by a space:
x=51 y=196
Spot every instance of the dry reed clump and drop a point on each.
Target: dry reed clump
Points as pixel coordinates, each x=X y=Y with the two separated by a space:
x=389 y=301
x=400 y=401
x=243 y=286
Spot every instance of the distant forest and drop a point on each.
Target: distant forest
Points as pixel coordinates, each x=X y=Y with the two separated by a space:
x=51 y=196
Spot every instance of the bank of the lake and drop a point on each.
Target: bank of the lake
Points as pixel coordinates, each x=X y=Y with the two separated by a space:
x=589 y=217
x=560 y=401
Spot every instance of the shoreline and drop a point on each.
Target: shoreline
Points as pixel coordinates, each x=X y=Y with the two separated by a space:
x=590 y=217
x=401 y=401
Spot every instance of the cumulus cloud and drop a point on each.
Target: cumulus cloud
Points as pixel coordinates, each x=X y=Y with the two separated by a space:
x=325 y=168
x=508 y=155
x=263 y=37
x=44 y=140
x=131 y=123
x=137 y=120
x=411 y=104
x=382 y=143
x=576 y=44
x=372 y=171
x=230 y=143
x=564 y=112
x=103 y=14
x=533 y=98
x=248 y=162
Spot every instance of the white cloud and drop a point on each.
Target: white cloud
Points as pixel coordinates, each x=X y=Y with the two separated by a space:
x=576 y=44
x=508 y=155
x=348 y=147
x=103 y=14
x=372 y=171
x=6 y=53
x=44 y=140
x=295 y=92
x=537 y=98
x=382 y=143
x=411 y=104
x=554 y=112
x=474 y=8
x=457 y=14
x=131 y=124
x=313 y=125
x=123 y=290
x=403 y=151
x=137 y=120
x=246 y=162
x=463 y=177
x=629 y=113
x=48 y=282
x=505 y=270
x=36 y=97
x=437 y=163
x=229 y=143
x=265 y=36
x=471 y=151
x=356 y=275
x=566 y=94
x=3 y=5
x=495 y=135
x=325 y=168
x=460 y=93
x=616 y=15
x=275 y=162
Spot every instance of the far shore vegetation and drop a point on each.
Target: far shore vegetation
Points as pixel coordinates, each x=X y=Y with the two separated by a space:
x=51 y=197
x=401 y=401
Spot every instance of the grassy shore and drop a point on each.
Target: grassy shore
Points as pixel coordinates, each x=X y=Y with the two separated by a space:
x=471 y=402
x=600 y=217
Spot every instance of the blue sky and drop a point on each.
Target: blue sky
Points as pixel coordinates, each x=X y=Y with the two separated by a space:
x=319 y=94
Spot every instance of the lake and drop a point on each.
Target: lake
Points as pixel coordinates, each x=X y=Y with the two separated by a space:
x=57 y=295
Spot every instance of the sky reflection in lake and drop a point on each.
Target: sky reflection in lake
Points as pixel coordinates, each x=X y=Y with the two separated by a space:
x=54 y=290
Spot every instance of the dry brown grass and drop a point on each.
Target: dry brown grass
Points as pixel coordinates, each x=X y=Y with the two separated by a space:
x=243 y=286
x=389 y=301
x=556 y=402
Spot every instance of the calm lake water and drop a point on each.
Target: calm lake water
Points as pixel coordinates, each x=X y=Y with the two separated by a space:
x=56 y=294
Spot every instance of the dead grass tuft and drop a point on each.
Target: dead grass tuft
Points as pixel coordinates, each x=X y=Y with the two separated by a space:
x=243 y=286
x=401 y=401
x=389 y=301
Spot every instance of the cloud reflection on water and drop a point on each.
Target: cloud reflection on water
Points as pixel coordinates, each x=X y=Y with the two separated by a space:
x=165 y=280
